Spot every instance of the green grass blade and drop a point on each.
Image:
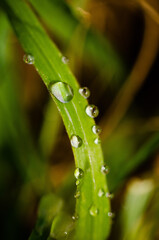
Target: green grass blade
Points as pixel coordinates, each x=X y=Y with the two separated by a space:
x=50 y=205
x=60 y=18
x=138 y=196
x=87 y=157
x=61 y=226
x=130 y=162
x=14 y=134
x=50 y=129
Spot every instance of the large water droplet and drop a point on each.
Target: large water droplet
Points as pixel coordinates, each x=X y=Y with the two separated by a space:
x=76 y=141
x=84 y=92
x=94 y=211
x=96 y=129
x=109 y=195
x=101 y=192
x=28 y=58
x=104 y=169
x=92 y=111
x=97 y=141
x=62 y=91
x=78 y=173
x=65 y=60
x=77 y=194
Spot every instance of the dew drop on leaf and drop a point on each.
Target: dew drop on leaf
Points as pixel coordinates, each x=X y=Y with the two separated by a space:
x=28 y=58
x=77 y=194
x=84 y=92
x=75 y=217
x=94 y=211
x=62 y=91
x=78 y=173
x=77 y=182
x=65 y=60
x=92 y=111
x=111 y=214
x=101 y=192
x=96 y=129
x=109 y=195
x=97 y=141
x=104 y=169
x=76 y=141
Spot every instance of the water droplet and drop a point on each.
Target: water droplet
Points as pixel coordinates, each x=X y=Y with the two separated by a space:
x=77 y=182
x=92 y=111
x=84 y=92
x=109 y=195
x=28 y=58
x=97 y=141
x=76 y=141
x=65 y=233
x=101 y=192
x=105 y=169
x=78 y=173
x=62 y=91
x=65 y=60
x=77 y=194
x=111 y=215
x=75 y=217
x=96 y=129
x=93 y=211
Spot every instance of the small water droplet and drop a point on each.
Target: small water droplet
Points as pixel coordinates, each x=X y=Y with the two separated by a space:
x=109 y=195
x=62 y=91
x=77 y=182
x=78 y=173
x=97 y=141
x=96 y=129
x=111 y=215
x=101 y=192
x=105 y=169
x=76 y=141
x=94 y=211
x=77 y=194
x=65 y=233
x=92 y=111
x=28 y=58
x=65 y=60
x=75 y=217
x=84 y=92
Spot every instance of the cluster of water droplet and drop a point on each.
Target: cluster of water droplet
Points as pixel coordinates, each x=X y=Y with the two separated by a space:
x=78 y=173
x=92 y=111
x=63 y=92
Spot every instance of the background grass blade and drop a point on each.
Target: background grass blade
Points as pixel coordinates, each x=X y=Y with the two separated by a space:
x=48 y=62
x=50 y=129
x=58 y=14
x=138 y=196
x=50 y=205
x=13 y=123
x=129 y=159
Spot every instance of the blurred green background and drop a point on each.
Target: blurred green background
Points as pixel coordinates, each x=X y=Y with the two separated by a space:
x=112 y=48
